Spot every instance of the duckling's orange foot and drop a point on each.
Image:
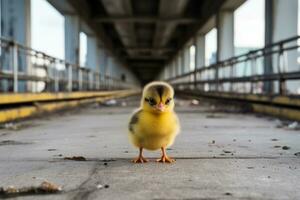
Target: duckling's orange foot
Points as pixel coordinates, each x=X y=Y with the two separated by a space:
x=165 y=159
x=140 y=159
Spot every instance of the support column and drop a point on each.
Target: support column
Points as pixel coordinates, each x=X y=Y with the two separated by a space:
x=281 y=23
x=102 y=59
x=268 y=64
x=285 y=23
x=16 y=25
x=182 y=63
x=92 y=54
x=72 y=39
x=179 y=63
x=225 y=35
x=186 y=65
x=200 y=51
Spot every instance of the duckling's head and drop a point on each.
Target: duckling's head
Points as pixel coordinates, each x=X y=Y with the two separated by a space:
x=158 y=97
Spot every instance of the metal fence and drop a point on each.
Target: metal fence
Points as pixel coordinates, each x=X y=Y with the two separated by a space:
x=23 y=69
x=273 y=69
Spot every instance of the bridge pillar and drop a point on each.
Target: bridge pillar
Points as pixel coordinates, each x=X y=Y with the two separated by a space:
x=72 y=39
x=200 y=51
x=178 y=64
x=186 y=55
x=281 y=23
x=92 y=54
x=173 y=65
x=225 y=34
x=15 y=25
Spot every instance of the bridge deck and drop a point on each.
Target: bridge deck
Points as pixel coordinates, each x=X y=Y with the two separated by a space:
x=219 y=154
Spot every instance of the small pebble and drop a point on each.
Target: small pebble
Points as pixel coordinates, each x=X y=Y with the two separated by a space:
x=297 y=154
x=285 y=147
x=106 y=186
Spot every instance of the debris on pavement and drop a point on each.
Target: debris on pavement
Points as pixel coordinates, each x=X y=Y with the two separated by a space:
x=225 y=151
x=277 y=146
x=99 y=186
x=10 y=125
x=280 y=123
x=106 y=186
x=294 y=126
x=75 y=158
x=51 y=149
x=286 y=148
x=194 y=102
x=287 y=124
x=111 y=102
x=214 y=116
x=44 y=188
x=274 y=139
x=13 y=142
x=297 y=154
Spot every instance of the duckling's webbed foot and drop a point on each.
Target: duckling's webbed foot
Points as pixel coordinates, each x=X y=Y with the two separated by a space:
x=164 y=158
x=140 y=159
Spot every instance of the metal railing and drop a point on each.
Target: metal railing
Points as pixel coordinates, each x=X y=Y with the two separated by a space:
x=23 y=69
x=273 y=69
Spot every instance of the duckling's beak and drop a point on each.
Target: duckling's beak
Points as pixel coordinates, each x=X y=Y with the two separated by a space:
x=160 y=107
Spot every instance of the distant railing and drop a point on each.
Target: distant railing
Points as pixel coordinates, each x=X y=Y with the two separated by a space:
x=273 y=69
x=23 y=69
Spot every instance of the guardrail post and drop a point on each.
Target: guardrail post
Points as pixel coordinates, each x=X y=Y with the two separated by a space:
x=281 y=81
x=14 y=52
x=195 y=78
x=253 y=72
x=69 y=68
x=91 y=80
x=56 y=76
x=231 y=74
x=79 y=79
x=97 y=81
x=217 y=77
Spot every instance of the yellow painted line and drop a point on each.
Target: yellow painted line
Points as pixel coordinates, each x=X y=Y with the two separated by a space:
x=34 y=97
x=39 y=108
x=281 y=100
x=276 y=111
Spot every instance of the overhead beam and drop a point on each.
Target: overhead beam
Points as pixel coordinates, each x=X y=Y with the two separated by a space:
x=145 y=49
x=137 y=57
x=147 y=19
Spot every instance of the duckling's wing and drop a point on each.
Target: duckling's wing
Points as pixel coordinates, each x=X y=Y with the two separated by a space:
x=134 y=120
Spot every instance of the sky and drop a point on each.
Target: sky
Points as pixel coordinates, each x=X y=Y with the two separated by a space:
x=249 y=24
x=47 y=29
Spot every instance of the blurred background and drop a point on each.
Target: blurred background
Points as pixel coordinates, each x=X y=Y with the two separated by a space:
x=217 y=48
x=228 y=45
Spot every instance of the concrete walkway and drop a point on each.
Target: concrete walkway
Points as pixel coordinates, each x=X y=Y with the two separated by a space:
x=220 y=155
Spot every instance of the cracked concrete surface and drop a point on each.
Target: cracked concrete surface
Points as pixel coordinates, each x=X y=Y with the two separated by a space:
x=220 y=155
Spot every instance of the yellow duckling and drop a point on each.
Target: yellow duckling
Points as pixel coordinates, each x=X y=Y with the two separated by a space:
x=154 y=125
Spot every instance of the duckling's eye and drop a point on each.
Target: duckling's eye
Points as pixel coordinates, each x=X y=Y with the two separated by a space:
x=151 y=101
x=168 y=101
